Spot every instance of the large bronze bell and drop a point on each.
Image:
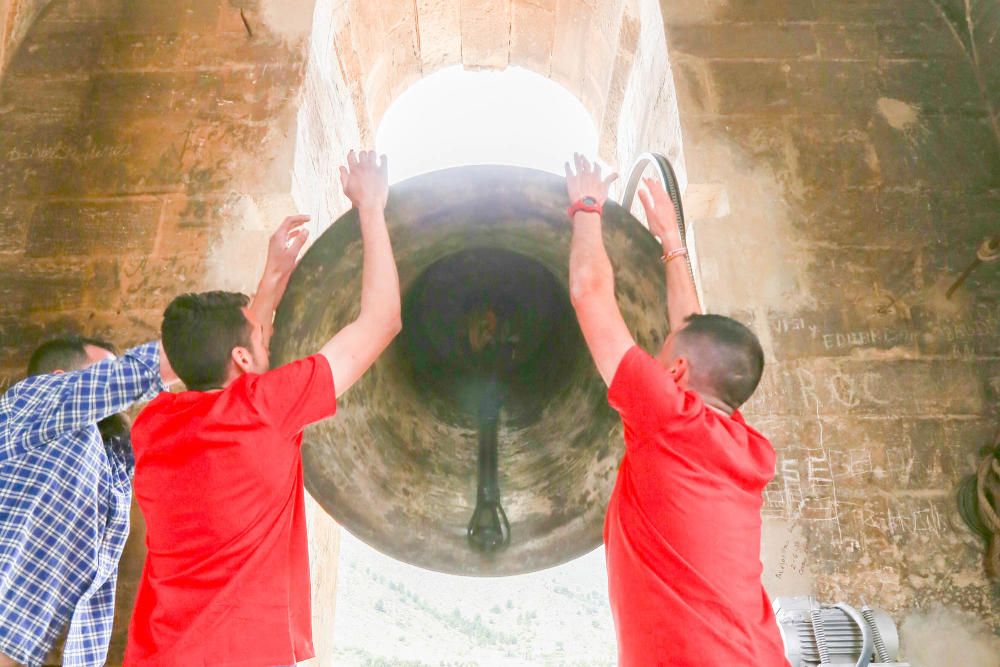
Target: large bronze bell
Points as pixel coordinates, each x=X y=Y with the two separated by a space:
x=481 y=443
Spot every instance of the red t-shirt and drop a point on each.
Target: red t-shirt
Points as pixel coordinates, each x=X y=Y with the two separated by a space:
x=218 y=478
x=682 y=533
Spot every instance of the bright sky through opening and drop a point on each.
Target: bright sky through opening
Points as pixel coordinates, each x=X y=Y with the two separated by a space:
x=456 y=117
x=388 y=611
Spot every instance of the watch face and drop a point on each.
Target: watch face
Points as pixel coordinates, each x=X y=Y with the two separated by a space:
x=589 y=201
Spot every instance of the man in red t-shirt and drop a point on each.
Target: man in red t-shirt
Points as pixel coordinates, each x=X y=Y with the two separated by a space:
x=682 y=532
x=219 y=469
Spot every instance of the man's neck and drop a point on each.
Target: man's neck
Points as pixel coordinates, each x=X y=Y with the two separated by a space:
x=717 y=405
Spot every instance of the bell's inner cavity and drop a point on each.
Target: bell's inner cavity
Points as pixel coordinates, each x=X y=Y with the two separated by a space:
x=489 y=321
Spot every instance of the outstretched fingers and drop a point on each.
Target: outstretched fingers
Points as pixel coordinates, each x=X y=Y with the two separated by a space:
x=656 y=189
x=293 y=222
x=296 y=240
x=647 y=203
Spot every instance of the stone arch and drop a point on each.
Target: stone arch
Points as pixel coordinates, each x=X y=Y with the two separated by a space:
x=610 y=54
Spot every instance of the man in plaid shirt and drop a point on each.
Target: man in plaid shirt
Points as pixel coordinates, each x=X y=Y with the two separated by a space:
x=65 y=495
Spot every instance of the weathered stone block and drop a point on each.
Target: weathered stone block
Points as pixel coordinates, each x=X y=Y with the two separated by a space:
x=832 y=154
x=918 y=388
x=485 y=34
x=846 y=42
x=190 y=225
x=933 y=86
x=179 y=51
x=135 y=156
x=149 y=283
x=989 y=377
x=63 y=99
x=14 y=216
x=39 y=170
x=941 y=152
x=81 y=11
x=691 y=77
x=123 y=327
x=761 y=140
x=573 y=19
x=174 y=17
x=750 y=87
x=18 y=337
x=394 y=16
x=532 y=35
x=440 y=27
x=875 y=11
x=839 y=87
x=59 y=54
x=133 y=94
x=240 y=157
x=49 y=286
x=963 y=217
x=969 y=333
x=405 y=60
x=246 y=94
x=841 y=331
x=865 y=454
x=754 y=40
x=709 y=133
x=766 y=10
x=109 y=228
x=866 y=215
x=878 y=281
x=930 y=40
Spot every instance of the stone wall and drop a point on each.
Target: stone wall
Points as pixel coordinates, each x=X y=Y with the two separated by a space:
x=857 y=144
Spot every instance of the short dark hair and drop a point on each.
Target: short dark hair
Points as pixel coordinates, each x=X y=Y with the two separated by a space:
x=66 y=353
x=199 y=333
x=726 y=358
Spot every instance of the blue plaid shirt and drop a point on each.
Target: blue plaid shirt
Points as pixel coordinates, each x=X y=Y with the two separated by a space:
x=64 y=506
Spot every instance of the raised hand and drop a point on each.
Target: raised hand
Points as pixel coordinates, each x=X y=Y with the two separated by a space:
x=366 y=179
x=586 y=181
x=286 y=243
x=660 y=213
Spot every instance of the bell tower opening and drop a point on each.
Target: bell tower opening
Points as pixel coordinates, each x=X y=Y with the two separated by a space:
x=489 y=336
x=457 y=117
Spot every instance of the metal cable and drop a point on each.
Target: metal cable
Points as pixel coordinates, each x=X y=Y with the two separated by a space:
x=665 y=172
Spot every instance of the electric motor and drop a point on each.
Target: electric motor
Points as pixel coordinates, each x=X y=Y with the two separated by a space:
x=817 y=634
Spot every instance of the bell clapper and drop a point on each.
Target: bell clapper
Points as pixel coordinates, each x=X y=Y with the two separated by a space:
x=489 y=529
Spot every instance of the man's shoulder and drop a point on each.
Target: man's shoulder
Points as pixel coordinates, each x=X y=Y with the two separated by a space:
x=297 y=375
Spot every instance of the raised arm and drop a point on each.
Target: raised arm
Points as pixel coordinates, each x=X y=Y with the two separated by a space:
x=591 y=276
x=44 y=407
x=282 y=254
x=682 y=297
x=356 y=347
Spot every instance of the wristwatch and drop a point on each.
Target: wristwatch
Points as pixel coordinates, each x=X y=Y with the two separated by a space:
x=587 y=204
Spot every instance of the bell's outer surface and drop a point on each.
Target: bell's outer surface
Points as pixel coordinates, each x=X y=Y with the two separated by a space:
x=397 y=465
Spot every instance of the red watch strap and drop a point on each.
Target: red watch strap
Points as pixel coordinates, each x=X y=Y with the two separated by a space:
x=579 y=205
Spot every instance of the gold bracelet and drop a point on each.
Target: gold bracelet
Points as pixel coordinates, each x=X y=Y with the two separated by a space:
x=674 y=254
